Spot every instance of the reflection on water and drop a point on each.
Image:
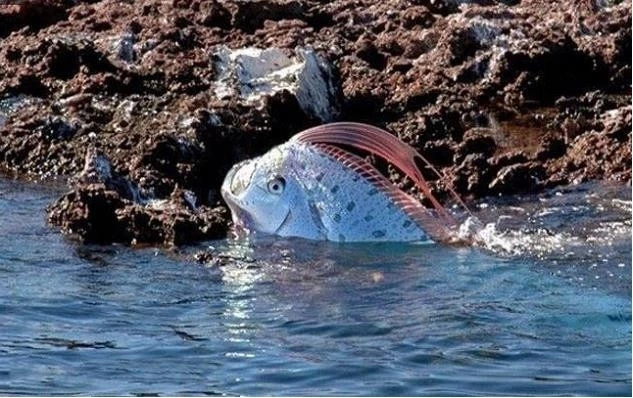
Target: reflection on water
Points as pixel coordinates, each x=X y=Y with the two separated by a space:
x=545 y=309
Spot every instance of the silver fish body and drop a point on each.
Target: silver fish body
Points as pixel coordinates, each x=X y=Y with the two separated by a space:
x=319 y=192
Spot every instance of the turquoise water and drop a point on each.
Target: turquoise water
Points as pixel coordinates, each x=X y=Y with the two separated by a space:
x=545 y=309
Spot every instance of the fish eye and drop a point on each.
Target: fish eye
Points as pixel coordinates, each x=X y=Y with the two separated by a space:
x=276 y=185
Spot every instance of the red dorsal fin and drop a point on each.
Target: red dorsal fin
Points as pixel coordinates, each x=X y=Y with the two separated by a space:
x=383 y=144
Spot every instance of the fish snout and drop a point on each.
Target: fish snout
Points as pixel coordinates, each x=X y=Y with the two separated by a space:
x=238 y=179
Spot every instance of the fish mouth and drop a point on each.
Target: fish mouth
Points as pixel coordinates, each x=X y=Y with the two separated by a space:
x=241 y=218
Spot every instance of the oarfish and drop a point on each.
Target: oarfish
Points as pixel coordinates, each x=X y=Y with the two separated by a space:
x=310 y=188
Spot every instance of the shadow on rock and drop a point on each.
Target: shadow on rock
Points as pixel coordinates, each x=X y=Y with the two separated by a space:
x=103 y=207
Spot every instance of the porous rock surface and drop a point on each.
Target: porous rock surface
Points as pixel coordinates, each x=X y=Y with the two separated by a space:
x=504 y=96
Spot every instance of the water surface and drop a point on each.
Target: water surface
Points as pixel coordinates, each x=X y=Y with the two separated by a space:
x=545 y=309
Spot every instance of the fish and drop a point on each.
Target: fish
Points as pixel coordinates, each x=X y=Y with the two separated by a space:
x=311 y=187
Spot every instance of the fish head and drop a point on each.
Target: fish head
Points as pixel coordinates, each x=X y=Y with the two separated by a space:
x=258 y=191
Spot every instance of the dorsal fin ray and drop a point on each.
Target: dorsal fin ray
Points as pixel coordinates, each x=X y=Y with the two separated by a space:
x=385 y=145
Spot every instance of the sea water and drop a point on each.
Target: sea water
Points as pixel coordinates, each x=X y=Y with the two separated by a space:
x=542 y=306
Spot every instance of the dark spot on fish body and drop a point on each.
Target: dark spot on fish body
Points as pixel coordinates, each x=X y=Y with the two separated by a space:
x=319 y=177
x=350 y=206
x=407 y=223
x=372 y=192
x=336 y=218
x=368 y=217
x=379 y=233
x=335 y=189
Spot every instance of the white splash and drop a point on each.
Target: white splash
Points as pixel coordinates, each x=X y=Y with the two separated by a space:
x=538 y=242
x=558 y=226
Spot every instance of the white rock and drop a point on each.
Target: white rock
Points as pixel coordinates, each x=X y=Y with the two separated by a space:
x=252 y=74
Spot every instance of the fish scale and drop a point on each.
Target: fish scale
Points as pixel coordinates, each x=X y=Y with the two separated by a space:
x=350 y=207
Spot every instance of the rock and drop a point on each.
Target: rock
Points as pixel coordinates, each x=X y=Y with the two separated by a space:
x=368 y=52
x=213 y=14
x=123 y=47
x=57 y=128
x=250 y=15
x=617 y=123
x=104 y=207
x=98 y=170
x=439 y=152
x=518 y=178
x=508 y=158
x=537 y=87
x=254 y=74
x=472 y=175
x=476 y=140
x=88 y=213
x=94 y=214
x=35 y=15
x=550 y=148
x=65 y=58
x=172 y=224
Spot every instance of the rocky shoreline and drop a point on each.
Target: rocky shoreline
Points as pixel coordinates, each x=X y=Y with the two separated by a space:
x=147 y=105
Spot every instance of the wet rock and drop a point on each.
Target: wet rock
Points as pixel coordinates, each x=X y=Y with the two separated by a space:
x=518 y=178
x=484 y=89
x=473 y=175
x=105 y=207
x=94 y=214
x=476 y=140
x=98 y=170
x=171 y=223
x=212 y=257
x=550 y=148
x=88 y=213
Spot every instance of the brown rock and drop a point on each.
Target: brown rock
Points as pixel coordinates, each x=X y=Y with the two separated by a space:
x=88 y=213
x=518 y=178
x=134 y=81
